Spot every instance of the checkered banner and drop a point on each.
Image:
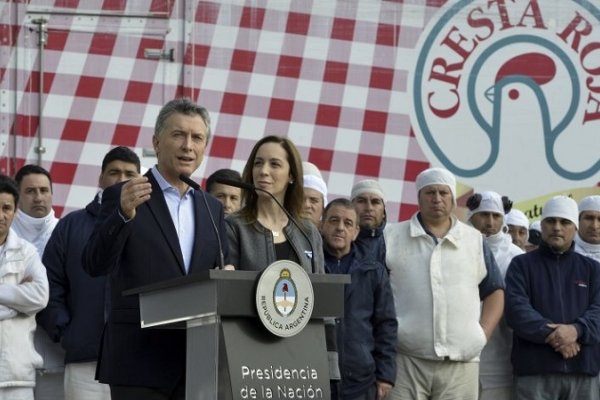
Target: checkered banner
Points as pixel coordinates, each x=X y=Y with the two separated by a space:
x=331 y=75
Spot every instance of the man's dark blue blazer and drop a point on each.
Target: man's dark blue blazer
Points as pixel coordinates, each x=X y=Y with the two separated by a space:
x=142 y=251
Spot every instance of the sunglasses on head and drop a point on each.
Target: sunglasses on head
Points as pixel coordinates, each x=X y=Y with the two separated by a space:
x=474 y=201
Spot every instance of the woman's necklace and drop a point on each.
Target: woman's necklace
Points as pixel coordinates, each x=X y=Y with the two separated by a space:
x=276 y=233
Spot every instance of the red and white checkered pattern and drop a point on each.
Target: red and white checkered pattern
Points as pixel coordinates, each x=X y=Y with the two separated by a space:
x=331 y=75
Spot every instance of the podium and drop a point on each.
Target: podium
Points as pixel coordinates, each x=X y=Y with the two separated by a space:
x=230 y=353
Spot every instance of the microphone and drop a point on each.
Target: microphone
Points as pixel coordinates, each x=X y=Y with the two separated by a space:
x=252 y=188
x=186 y=179
x=245 y=186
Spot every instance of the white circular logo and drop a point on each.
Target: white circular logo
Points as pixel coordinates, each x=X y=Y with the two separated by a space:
x=284 y=298
x=506 y=94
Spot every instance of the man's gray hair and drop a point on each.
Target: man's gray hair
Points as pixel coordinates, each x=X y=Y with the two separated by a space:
x=183 y=106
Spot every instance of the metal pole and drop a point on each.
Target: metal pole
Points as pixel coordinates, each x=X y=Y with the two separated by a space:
x=42 y=40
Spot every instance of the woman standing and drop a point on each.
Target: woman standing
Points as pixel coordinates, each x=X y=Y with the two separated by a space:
x=261 y=232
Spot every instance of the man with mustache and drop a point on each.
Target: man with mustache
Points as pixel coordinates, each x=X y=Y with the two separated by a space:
x=553 y=306
x=448 y=295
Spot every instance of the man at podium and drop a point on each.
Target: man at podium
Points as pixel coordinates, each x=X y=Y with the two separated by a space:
x=154 y=228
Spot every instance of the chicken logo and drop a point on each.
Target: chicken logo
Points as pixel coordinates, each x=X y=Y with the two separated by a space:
x=511 y=89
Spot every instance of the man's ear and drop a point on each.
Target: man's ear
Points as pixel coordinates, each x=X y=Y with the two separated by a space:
x=155 y=143
x=357 y=231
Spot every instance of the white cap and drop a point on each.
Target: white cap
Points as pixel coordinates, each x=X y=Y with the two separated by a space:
x=561 y=207
x=314 y=180
x=367 y=186
x=437 y=176
x=536 y=226
x=490 y=202
x=311 y=169
x=517 y=218
x=589 y=203
x=318 y=184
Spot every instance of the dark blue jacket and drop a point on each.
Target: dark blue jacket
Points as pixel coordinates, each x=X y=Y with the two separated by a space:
x=369 y=328
x=543 y=287
x=136 y=253
x=370 y=243
x=75 y=312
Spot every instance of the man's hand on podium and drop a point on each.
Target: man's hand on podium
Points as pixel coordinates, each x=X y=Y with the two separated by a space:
x=229 y=267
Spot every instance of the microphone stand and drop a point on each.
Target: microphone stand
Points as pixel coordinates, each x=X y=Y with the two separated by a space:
x=186 y=179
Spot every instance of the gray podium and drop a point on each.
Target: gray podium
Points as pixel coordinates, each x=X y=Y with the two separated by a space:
x=230 y=354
